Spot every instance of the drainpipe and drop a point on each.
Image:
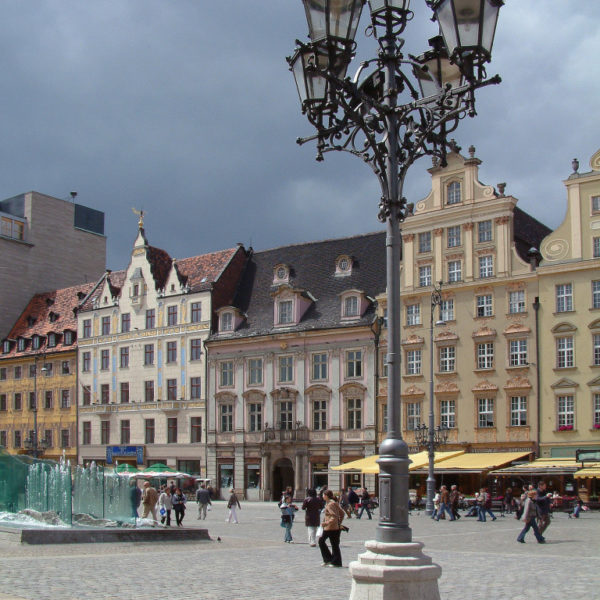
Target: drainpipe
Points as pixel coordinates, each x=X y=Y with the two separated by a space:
x=536 y=308
x=206 y=394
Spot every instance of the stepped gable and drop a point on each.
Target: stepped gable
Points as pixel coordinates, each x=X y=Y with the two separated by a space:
x=48 y=312
x=528 y=233
x=199 y=272
x=312 y=272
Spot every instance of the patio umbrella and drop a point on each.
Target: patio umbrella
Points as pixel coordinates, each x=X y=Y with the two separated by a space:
x=126 y=470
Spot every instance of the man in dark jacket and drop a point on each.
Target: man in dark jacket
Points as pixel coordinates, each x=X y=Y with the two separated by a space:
x=203 y=500
x=365 y=501
x=543 y=502
x=352 y=500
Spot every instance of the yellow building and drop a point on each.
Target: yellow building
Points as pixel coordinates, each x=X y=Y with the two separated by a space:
x=569 y=281
x=38 y=377
x=474 y=240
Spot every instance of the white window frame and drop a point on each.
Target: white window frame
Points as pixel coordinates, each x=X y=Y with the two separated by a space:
x=226 y=417
x=413 y=314
x=255 y=416
x=354 y=408
x=565 y=411
x=596 y=294
x=353 y=364
x=453 y=236
x=596 y=349
x=424 y=240
x=596 y=247
x=351 y=307
x=484 y=231
x=255 y=371
x=596 y=408
x=425 y=276
x=448 y=413
x=285 y=312
x=226 y=373
x=485 y=305
x=454 y=271
x=564 y=297
x=447 y=310
x=413 y=415
x=319 y=414
x=486 y=266
x=485 y=355
x=226 y=322
x=285 y=414
x=485 y=413
x=565 y=352
x=516 y=302
x=518 y=411
x=595 y=204
x=320 y=366
x=286 y=369
x=454 y=193
x=413 y=362
x=447 y=359
x=517 y=353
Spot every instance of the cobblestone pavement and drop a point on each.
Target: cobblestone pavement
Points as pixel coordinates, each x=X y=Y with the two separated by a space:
x=252 y=562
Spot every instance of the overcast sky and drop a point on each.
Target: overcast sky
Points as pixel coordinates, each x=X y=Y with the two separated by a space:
x=186 y=108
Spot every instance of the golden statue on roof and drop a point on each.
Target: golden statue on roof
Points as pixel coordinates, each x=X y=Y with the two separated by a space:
x=140 y=214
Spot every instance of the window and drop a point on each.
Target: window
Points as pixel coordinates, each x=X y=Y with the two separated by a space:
x=286 y=369
x=319 y=366
x=354 y=413
x=125 y=322
x=196 y=312
x=86 y=439
x=447 y=359
x=484 y=231
x=105 y=325
x=255 y=371
x=564 y=297
x=12 y=228
x=65 y=398
x=171 y=315
x=425 y=276
x=447 y=310
x=425 y=242
x=172 y=351
x=3 y=438
x=17 y=373
x=286 y=415
x=354 y=363
x=195 y=430
x=484 y=306
x=195 y=388
x=149 y=391
x=595 y=204
x=148 y=354
x=195 y=349
x=596 y=349
x=226 y=377
x=32 y=402
x=2 y=373
x=87 y=328
x=47 y=369
x=171 y=389
x=226 y=322
x=86 y=399
x=596 y=405
x=485 y=355
x=384 y=418
x=125 y=431
x=351 y=306
x=51 y=340
x=566 y=411
x=596 y=247
x=448 y=413
x=124 y=357
x=485 y=412
x=319 y=414
x=516 y=302
x=518 y=353
x=454 y=271
x=413 y=415
x=226 y=414
x=413 y=362
x=453 y=236
x=453 y=195
x=486 y=266
x=17 y=439
x=65 y=367
x=48 y=438
x=413 y=314
x=104 y=360
x=284 y=312
x=255 y=416
x=124 y=392
x=21 y=345
x=86 y=361
x=518 y=411
x=595 y=294
x=17 y=401
x=564 y=352
x=104 y=393
x=32 y=370
x=36 y=342
x=3 y=405
x=150 y=318
x=149 y=431
x=68 y=338
x=105 y=432
x=172 y=430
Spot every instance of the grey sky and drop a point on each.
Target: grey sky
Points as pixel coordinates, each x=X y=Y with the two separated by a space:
x=185 y=108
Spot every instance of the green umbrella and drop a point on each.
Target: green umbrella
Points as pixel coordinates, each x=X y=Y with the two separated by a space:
x=125 y=468
x=159 y=468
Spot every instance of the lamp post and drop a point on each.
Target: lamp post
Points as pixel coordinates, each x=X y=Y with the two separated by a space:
x=394 y=110
x=33 y=443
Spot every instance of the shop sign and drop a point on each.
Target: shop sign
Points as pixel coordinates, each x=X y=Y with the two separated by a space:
x=115 y=452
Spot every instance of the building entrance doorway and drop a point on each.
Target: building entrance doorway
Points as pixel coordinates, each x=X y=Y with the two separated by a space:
x=283 y=476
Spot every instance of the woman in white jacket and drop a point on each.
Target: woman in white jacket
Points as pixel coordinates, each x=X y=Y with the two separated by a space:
x=165 y=505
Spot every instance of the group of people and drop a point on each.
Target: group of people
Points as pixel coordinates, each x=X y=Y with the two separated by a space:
x=170 y=498
x=357 y=502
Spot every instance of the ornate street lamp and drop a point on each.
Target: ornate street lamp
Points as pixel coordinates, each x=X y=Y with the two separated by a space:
x=394 y=110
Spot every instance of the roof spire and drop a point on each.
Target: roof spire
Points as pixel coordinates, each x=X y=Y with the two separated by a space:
x=140 y=214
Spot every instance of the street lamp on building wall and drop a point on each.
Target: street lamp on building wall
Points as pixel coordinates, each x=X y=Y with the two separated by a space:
x=394 y=110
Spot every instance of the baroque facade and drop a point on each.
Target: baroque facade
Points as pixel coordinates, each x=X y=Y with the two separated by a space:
x=142 y=360
x=569 y=280
x=292 y=373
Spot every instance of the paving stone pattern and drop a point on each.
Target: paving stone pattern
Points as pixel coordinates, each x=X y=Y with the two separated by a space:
x=252 y=562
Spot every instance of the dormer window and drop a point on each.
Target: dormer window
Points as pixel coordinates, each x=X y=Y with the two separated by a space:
x=36 y=342
x=21 y=344
x=281 y=274
x=68 y=338
x=51 y=340
x=52 y=316
x=6 y=347
x=226 y=322
x=285 y=313
x=343 y=265
x=351 y=306
x=136 y=290
x=453 y=193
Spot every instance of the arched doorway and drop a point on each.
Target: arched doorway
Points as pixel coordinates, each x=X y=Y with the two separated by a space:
x=283 y=476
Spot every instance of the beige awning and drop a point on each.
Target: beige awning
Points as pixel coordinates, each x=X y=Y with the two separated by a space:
x=477 y=462
x=368 y=465
x=540 y=467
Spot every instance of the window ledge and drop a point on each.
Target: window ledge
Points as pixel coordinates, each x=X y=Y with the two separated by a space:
x=564 y=369
x=563 y=312
x=518 y=367
x=565 y=430
x=489 y=428
x=445 y=373
x=523 y=313
x=490 y=370
x=520 y=427
x=413 y=376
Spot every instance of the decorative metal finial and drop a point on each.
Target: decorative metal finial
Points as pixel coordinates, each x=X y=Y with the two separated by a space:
x=140 y=214
x=575 y=165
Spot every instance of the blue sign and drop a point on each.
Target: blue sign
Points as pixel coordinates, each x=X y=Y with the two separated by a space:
x=115 y=452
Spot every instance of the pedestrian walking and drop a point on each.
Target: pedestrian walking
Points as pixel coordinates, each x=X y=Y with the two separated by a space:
x=232 y=504
x=178 y=500
x=165 y=505
x=312 y=507
x=332 y=519
x=436 y=506
x=529 y=515
x=544 y=502
x=135 y=497
x=365 y=504
x=289 y=491
x=454 y=500
x=353 y=500
x=577 y=508
x=288 y=510
x=203 y=501
x=444 y=504
x=485 y=505
x=149 y=500
x=508 y=500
